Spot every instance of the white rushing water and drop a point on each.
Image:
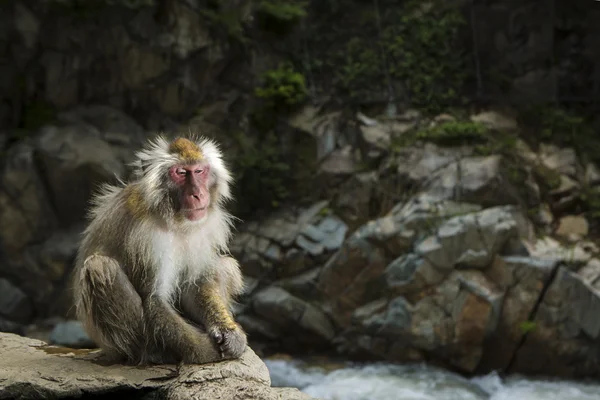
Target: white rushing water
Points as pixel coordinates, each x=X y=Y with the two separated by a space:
x=418 y=382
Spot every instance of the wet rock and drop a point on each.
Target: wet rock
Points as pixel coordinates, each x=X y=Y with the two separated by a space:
x=14 y=304
x=71 y=334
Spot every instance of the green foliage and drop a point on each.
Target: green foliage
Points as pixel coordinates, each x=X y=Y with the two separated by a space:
x=282 y=88
x=527 y=326
x=424 y=56
x=590 y=198
x=279 y=15
x=261 y=174
x=416 y=49
x=563 y=128
x=227 y=22
x=454 y=133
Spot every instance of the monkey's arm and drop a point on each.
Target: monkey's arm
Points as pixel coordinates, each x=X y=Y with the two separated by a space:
x=169 y=331
x=207 y=302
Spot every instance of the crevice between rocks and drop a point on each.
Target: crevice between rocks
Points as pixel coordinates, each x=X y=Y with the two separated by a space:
x=533 y=314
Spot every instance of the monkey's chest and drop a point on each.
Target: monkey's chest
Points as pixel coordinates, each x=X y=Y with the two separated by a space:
x=178 y=260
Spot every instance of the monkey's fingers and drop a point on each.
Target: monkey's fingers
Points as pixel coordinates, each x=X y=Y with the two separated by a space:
x=216 y=336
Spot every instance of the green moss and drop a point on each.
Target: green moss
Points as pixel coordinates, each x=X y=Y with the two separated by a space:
x=282 y=88
x=454 y=133
x=527 y=326
x=279 y=16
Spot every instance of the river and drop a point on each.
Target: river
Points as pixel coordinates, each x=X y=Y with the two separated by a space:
x=383 y=381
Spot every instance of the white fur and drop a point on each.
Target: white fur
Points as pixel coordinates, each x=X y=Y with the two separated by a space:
x=182 y=256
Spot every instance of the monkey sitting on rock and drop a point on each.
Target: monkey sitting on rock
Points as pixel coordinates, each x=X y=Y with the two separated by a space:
x=152 y=283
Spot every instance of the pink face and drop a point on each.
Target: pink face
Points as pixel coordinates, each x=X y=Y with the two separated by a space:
x=192 y=181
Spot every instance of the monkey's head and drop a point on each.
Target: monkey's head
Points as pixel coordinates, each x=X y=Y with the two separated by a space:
x=185 y=178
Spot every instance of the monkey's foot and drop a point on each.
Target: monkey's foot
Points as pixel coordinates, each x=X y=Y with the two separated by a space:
x=231 y=342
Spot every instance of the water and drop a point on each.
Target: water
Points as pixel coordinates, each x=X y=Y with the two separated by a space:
x=417 y=382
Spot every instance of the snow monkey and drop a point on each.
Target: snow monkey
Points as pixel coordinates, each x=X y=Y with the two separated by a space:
x=152 y=281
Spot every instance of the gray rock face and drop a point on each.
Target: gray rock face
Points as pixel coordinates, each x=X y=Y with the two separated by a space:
x=14 y=304
x=27 y=364
x=74 y=159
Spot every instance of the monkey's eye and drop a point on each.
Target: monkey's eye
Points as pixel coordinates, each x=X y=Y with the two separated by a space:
x=198 y=171
x=180 y=171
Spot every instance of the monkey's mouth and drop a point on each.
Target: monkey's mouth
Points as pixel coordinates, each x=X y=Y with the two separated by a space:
x=194 y=214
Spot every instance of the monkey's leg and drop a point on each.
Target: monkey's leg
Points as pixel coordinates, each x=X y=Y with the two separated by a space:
x=110 y=308
x=175 y=339
x=207 y=302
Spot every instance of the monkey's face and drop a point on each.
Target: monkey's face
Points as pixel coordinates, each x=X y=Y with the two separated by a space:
x=192 y=197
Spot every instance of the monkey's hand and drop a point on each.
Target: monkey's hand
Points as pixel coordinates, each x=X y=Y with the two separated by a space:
x=231 y=342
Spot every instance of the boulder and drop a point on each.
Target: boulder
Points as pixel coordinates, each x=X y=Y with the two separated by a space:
x=33 y=369
x=26 y=212
x=454 y=174
x=562 y=338
x=290 y=242
x=74 y=159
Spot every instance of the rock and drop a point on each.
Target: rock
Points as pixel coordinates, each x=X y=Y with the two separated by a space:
x=339 y=162
x=26 y=215
x=74 y=159
x=27 y=365
x=451 y=174
x=563 y=161
x=522 y=279
x=572 y=227
x=323 y=128
x=14 y=304
x=282 y=309
x=495 y=120
x=546 y=248
x=70 y=334
x=347 y=280
x=353 y=198
x=562 y=337
x=11 y=327
x=291 y=240
x=469 y=241
x=592 y=174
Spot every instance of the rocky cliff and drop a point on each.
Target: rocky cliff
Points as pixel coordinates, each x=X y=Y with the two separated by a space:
x=396 y=232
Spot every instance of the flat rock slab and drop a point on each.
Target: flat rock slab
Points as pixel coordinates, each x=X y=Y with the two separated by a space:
x=32 y=369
